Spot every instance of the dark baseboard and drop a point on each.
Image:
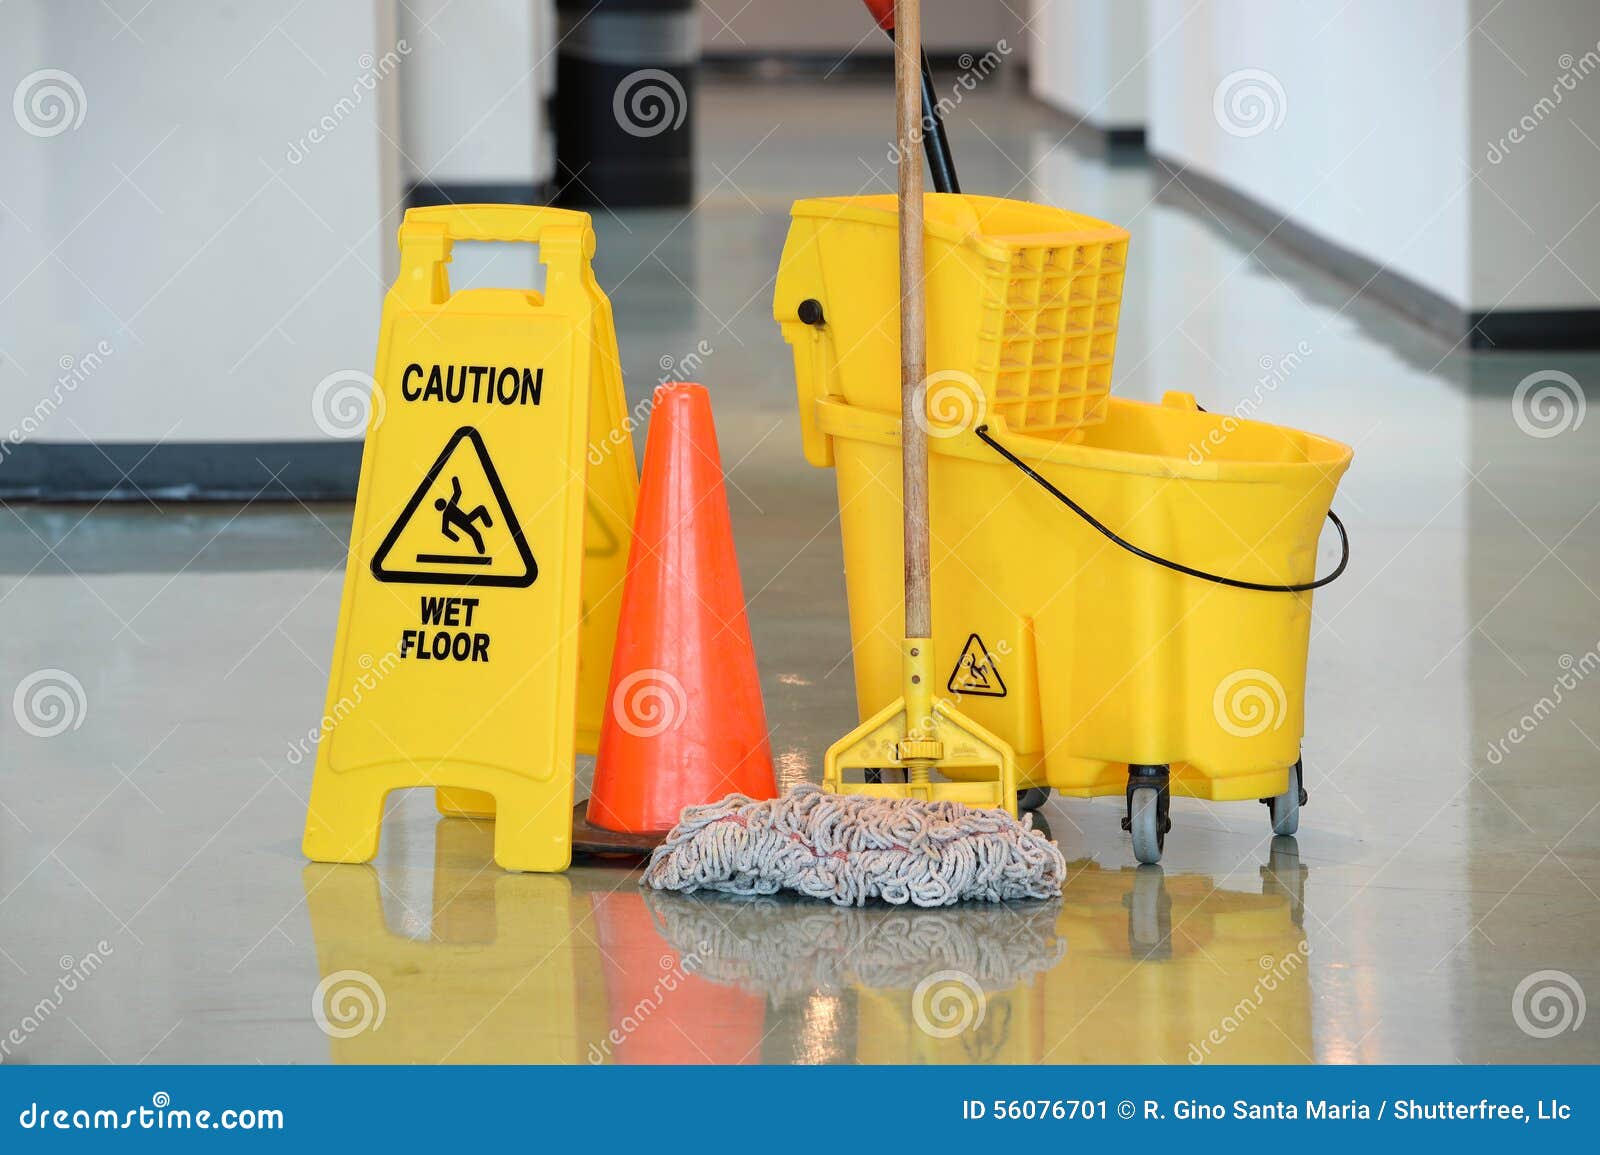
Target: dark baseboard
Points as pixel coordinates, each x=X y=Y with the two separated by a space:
x=1117 y=145
x=1128 y=137
x=1536 y=329
x=424 y=193
x=179 y=471
x=1125 y=142
x=808 y=66
x=1505 y=330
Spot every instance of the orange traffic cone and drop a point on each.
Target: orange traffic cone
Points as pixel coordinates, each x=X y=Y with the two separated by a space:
x=684 y=723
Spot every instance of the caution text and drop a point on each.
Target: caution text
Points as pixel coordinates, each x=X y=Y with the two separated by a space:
x=472 y=384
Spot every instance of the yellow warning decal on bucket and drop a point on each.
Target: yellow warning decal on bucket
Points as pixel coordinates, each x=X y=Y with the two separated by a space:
x=456 y=662
x=976 y=672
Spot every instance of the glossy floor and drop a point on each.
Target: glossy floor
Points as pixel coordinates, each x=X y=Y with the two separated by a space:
x=1440 y=904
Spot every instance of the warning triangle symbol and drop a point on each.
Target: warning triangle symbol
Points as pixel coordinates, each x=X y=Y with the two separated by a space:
x=458 y=528
x=976 y=672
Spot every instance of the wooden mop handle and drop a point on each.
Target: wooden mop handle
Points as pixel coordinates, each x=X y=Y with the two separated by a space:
x=913 y=432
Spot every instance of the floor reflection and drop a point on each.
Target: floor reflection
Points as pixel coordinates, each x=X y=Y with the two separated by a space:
x=1130 y=965
x=502 y=972
x=874 y=984
x=1177 y=970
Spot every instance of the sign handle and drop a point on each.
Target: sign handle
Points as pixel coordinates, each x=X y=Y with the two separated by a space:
x=498 y=222
x=565 y=239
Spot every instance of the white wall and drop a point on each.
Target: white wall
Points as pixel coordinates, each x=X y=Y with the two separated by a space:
x=1538 y=192
x=473 y=98
x=1086 y=57
x=188 y=224
x=1380 y=116
x=1352 y=121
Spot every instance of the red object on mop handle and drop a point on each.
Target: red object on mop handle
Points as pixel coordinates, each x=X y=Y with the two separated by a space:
x=883 y=12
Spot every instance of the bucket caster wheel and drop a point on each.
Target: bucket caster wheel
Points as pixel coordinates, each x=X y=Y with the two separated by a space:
x=1285 y=808
x=1147 y=825
x=1148 y=819
x=1032 y=798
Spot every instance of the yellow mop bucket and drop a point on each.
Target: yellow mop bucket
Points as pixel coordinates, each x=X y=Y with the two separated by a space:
x=1083 y=656
x=1121 y=593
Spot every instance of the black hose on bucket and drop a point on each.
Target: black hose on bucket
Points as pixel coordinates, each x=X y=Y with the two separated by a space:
x=1298 y=587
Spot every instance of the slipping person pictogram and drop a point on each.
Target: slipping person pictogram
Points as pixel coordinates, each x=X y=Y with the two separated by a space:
x=976 y=672
x=489 y=547
x=451 y=509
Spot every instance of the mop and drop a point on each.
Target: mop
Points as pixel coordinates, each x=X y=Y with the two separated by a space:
x=855 y=842
x=849 y=848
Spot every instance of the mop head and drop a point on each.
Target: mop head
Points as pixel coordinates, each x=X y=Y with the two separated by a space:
x=848 y=848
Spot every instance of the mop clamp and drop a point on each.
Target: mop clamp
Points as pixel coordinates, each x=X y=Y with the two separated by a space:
x=893 y=753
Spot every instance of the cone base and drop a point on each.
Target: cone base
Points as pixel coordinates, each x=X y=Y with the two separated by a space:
x=588 y=838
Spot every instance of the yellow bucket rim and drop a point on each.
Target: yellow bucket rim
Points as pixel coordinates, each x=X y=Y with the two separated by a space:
x=880 y=209
x=1325 y=456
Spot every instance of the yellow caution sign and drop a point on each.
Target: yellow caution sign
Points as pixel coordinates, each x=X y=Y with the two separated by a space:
x=613 y=494
x=468 y=609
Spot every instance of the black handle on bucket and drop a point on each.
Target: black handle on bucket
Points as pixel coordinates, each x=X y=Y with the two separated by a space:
x=1295 y=588
x=934 y=142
